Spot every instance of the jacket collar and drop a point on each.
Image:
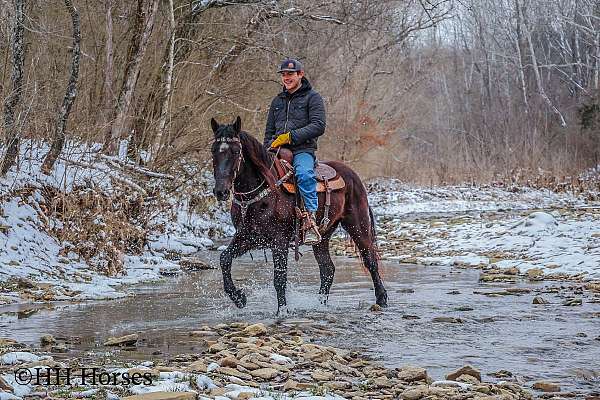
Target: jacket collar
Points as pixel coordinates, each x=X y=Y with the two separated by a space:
x=306 y=86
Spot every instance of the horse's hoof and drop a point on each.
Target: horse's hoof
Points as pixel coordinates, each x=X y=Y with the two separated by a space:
x=323 y=299
x=382 y=300
x=282 y=311
x=239 y=298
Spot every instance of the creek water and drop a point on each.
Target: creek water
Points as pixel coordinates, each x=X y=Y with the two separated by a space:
x=498 y=332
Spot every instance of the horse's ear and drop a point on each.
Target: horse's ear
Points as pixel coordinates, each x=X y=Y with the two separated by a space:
x=214 y=124
x=237 y=125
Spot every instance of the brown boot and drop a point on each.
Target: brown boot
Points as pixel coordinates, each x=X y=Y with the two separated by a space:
x=311 y=235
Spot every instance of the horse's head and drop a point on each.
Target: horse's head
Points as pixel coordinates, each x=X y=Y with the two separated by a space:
x=227 y=156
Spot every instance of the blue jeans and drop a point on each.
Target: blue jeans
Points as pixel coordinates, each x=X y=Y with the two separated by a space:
x=304 y=167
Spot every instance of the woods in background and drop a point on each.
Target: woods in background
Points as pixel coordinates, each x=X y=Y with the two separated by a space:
x=427 y=91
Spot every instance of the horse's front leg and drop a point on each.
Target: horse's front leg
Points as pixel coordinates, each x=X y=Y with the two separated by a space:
x=238 y=246
x=280 y=257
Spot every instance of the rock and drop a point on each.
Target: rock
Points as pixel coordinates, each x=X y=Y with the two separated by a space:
x=544 y=386
x=229 y=362
x=245 y=395
x=217 y=347
x=290 y=385
x=382 y=382
x=126 y=340
x=47 y=340
x=501 y=374
x=593 y=287
x=468 y=379
x=449 y=320
x=197 y=366
x=5 y=386
x=195 y=264
x=539 y=300
x=59 y=348
x=7 y=342
x=535 y=274
x=572 y=302
x=412 y=374
x=265 y=373
x=218 y=391
x=255 y=330
x=466 y=370
x=234 y=372
x=322 y=375
x=408 y=316
x=163 y=396
x=415 y=393
x=337 y=385
x=141 y=371
x=376 y=308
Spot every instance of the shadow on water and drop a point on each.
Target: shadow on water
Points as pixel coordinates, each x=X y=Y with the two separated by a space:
x=507 y=332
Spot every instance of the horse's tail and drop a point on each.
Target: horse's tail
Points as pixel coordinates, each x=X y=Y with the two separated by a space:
x=373 y=232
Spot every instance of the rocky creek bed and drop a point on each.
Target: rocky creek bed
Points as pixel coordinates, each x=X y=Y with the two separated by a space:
x=243 y=361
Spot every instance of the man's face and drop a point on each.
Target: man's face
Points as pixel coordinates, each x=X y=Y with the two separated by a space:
x=291 y=80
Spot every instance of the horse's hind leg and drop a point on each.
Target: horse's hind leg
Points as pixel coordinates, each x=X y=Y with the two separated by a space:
x=358 y=226
x=326 y=268
x=236 y=248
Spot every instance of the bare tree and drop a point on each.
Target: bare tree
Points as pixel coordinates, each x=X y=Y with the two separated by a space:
x=71 y=93
x=144 y=23
x=11 y=131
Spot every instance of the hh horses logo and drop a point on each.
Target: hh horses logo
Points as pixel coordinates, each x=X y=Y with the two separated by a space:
x=291 y=65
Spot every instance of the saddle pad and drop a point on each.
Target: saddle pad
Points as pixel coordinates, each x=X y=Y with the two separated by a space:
x=335 y=184
x=324 y=171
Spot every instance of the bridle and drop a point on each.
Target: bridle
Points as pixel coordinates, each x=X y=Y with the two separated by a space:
x=244 y=204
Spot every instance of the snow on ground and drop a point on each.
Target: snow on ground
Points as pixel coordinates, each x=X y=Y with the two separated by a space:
x=491 y=226
x=29 y=250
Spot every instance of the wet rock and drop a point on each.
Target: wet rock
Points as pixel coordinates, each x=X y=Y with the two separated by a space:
x=376 y=308
x=464 y=308
x=539 y=300
x=163 y=396
x=47 y=340
x=265 y=373
x=593 y=287
x=501 y=374
x=572 y=302
x=466 y=370
x=448 y=320
x=408 y=316
x=217 y=347
x=338 y=385
x=59 y=348
x=255 y=330
x=453 y=292
x=497 y=278
x=412 y=374
x=126 y=340
x=545 y=386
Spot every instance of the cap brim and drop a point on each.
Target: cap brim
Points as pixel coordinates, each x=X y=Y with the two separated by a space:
x=288 y=70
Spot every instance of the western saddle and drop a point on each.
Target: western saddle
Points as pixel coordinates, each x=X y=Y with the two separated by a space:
x=328 y=180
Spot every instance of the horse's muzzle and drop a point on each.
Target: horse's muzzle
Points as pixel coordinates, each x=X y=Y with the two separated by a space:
x=222 y=195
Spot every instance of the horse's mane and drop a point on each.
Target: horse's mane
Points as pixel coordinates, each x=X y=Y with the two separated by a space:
x=259 y=156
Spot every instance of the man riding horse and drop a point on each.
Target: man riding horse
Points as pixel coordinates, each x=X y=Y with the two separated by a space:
x=296 y=119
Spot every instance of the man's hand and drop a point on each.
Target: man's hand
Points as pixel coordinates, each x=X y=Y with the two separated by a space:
x=284 y=138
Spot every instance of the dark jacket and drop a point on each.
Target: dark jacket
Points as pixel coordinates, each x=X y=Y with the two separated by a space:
x=302 y=113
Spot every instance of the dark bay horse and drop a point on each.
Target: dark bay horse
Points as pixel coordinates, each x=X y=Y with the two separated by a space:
x=263 y=214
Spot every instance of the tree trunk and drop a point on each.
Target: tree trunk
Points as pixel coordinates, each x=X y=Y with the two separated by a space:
x=146 y=12
x=71 y=93
x=167 y=82
x=14 y=98
x=108 y=108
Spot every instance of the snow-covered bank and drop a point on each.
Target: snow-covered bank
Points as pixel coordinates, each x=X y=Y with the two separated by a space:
x=63 y=238
x=490 y=227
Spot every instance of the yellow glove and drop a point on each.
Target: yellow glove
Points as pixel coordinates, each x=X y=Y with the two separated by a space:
x=284 y=138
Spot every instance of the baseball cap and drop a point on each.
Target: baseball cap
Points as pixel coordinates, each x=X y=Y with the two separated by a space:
x=291 y=64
